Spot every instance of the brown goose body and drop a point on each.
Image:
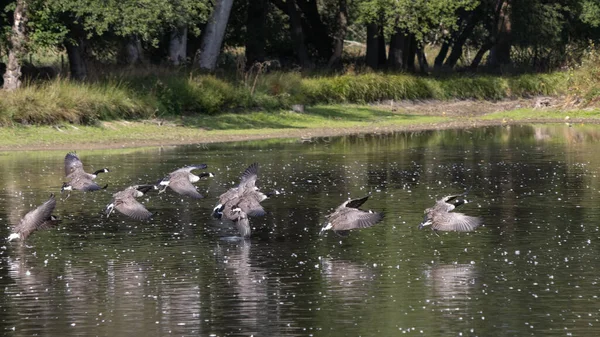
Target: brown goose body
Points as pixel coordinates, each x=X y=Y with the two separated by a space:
x=40 y=218
x=441 y=218
x=348 y=216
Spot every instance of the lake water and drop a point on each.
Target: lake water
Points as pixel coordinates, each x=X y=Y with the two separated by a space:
x=533 y=269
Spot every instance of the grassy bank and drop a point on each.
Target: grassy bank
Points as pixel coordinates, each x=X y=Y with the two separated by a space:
x=162 y=93
x=316 y=122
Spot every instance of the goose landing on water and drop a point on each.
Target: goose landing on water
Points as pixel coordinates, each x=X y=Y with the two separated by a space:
x=78 y=178
x=242 y=201
x=124 y=202
x=38 y=219
x=246 y=195
x=181 y=181
x=347 y=216
x=440 y=218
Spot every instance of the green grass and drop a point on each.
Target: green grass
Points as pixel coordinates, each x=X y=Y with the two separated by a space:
x=334 y=119
x=223 y=127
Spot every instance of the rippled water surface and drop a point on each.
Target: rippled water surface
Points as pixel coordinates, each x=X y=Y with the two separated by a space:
x=533 y=269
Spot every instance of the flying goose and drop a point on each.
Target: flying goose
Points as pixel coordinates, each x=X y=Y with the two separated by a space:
x=78 y=178
x=38 y=219
x=124 y=202
x=440 y=218
x=246 y=195
x=348 y=216
x=181 y=181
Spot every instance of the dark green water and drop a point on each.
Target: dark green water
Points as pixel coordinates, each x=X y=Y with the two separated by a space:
x=533 y=269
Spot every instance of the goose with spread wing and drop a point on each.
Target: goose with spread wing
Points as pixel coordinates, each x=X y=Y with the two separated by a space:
x=125 y=202
x=39 y=219
x=348 y=216
x=78 y=178
x=181 y=181
x=441 y=218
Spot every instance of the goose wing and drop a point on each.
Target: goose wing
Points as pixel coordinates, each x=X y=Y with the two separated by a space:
x=248 y=178
x=39 y=218
x=190 y=168
x=72 y=163
x=356 y=203
x=354 y=218
x=132 y=208
x=185 y=187
x=228 y=196
x=457 y=222
x=250 y=206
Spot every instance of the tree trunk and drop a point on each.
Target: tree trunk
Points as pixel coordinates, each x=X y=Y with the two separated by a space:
x=255 y=39
x=457 y=46
x=479 y=56
x=396 y=57
x=76 y=52
x=340 y=34
x=381 y=55
x=178 y=46
x=316 y=32
x=372 y=46
x=214 y=33
x=410 y=50
x=500 y=51
x=18 y=38
x=133 y=52
x=423 y=65
x=441 y=56
x=298 y=35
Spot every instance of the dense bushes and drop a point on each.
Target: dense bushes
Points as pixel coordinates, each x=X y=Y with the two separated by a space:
x=133 y=96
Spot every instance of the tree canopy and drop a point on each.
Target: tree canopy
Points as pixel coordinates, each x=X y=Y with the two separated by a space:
x=533 y=34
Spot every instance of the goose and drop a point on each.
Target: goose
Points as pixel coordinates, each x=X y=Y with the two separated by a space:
x=38 y=219
x=440 y=218
x=124 y=202
x=78 y=178
x=246 y=195
x=240 y=218
x=348 y=216
x=181 y=181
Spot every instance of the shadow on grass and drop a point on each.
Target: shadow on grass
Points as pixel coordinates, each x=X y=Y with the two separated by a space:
x=312 y=117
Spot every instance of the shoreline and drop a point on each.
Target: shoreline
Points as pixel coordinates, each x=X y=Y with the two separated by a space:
x=405 y=116
x=301 y=134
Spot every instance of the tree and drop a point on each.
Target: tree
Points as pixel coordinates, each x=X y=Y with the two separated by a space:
x=411 y=23
x=18 y=38
x=213 y=36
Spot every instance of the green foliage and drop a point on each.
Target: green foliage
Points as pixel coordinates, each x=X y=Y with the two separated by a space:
x=419 y=17
x=159 y=93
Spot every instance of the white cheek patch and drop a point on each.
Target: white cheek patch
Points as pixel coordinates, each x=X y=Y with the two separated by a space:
x=164 y=183
x=13 y=236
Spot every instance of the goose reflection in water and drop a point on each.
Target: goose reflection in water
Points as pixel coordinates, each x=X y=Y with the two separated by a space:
x=452 y=286
x=351 y=281
x=257 y=307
